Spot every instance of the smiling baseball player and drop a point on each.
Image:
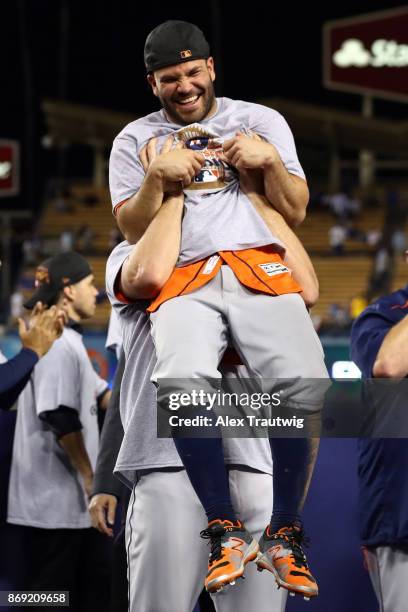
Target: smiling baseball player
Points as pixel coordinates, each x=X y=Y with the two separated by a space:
x=230 y=281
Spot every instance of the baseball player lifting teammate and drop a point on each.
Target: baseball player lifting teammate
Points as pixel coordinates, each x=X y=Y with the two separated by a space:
x=165 y=513
x=253 y=299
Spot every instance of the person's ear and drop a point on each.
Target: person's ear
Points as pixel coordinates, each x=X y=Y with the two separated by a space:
x=152 y=82
x=68 y=293
x=211 y=68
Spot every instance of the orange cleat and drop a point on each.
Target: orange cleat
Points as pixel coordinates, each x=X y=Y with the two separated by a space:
x=281 y=553
x=232 y=547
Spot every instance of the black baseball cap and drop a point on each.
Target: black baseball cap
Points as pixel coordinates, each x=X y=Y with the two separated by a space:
x=56 y=273
x=174 y=42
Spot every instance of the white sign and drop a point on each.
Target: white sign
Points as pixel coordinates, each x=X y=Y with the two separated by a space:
x=345 y=370
x=383 y=53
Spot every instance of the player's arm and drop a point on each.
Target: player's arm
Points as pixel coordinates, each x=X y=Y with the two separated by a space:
x=74 y=447
x=286 y=192
x=154 y=256
x=106 y=488
x=135 y=214
x=392 y=357
x=65 y=424
x=168 y=172
x=378 y=344
x=296 y=257
x=57 y=396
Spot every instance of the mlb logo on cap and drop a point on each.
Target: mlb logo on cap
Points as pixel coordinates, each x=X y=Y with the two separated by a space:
x=186 y=53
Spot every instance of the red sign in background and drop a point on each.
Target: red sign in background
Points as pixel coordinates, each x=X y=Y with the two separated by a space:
x=9 y=168
x=385 y=81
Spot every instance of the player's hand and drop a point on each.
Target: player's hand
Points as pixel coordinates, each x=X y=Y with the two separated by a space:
x=252 y=181
x=42 y=329
x=102 y=509
x=176 y=167
x=149 y=152
x=245 y=152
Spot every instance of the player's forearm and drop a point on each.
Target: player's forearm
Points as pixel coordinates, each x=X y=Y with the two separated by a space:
x=153 y=258
x=74 y=447
x=296 y=257
x=103 y=401
x=392 y=358
x=289 y=194
x=135 y=215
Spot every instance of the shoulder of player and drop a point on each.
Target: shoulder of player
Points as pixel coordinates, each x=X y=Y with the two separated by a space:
x=67 y=344
x=131 y=131
x=254 y=107
x=392 y=308
x=398 y=300
x=62 y=352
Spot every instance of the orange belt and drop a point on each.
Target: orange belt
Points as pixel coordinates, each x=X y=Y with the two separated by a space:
x=260 y=269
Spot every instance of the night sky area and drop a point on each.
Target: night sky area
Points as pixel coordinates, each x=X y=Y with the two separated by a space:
x=267 y=49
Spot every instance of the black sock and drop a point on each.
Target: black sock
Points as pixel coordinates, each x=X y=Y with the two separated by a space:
x=203 y=459
x=292 y=462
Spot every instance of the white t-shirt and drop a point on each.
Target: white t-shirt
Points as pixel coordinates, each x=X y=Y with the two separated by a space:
x=218 y=216
x=45 y=490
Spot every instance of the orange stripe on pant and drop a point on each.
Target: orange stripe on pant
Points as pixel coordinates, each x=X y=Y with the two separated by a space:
x=260 y=269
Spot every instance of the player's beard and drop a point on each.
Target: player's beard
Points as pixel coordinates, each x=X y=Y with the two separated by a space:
x=207 y=101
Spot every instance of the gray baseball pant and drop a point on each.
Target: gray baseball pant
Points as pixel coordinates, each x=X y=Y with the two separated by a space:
x=167 y=560
x=274 y=336
x=388 y=568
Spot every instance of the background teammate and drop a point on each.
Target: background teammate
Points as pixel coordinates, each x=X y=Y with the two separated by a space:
x=379 y=340
x=55 y=448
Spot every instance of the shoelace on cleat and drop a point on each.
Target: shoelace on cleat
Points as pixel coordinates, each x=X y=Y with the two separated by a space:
x=295 y=539
x=214 y=534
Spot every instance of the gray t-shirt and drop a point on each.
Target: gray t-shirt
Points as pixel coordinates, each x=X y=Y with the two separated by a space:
x=218 y=216
x=141 y=448
x=45 y=490
x=114 y=335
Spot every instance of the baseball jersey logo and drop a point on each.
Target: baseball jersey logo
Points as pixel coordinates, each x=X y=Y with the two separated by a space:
x=272 y=269
x=216 y=174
